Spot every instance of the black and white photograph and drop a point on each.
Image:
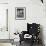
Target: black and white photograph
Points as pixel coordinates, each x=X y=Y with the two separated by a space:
x=22 y=22
x=20 y=13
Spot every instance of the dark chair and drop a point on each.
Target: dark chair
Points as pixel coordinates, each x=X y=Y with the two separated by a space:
x=32 y=29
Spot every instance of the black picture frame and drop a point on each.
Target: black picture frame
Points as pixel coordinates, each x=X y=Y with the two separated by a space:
x=20 y=13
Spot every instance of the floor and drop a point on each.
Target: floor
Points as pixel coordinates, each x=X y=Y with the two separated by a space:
x=5 y=44
x=23 y=44
x=26 y=44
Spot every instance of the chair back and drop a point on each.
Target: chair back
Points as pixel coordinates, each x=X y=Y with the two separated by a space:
x=33 y=28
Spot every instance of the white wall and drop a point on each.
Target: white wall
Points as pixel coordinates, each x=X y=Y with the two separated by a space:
x=35 y=13
x=4 y=1
x=3 y=17
x=3 y=22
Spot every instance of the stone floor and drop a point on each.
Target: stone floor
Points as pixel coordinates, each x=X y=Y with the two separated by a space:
x=27 y=44
x=5 y=44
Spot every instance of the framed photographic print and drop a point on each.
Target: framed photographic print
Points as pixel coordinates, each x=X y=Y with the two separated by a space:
x=20 y=13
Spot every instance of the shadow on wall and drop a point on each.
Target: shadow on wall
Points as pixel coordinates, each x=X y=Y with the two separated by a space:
x=41 y=34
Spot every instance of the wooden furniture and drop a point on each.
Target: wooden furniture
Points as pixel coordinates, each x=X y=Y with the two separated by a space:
x=33 y=30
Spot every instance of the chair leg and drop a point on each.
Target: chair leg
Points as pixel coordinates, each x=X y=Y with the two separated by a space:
x=32 y=42
x=20 y=42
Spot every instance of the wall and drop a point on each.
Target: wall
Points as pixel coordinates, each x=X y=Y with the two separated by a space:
x=3 y=33
x=35 y=13
x=4 y=1
x=3 y=21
